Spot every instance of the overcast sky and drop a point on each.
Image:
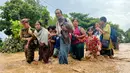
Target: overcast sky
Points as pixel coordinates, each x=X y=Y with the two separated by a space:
x=116 y=11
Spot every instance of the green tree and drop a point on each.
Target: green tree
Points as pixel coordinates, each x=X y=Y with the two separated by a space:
x=1 y=43
x=18 y=9
x=16 y=28
x=120 y=32
x=127 y=36
x=13 y=44
x=65 y=15
x=52 y=21
x=12 y=12
x=84 y=19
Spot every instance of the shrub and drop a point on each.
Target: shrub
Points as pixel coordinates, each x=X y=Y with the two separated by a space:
x=12 y=45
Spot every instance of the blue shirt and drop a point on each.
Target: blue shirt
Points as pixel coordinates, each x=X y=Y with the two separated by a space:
x=57 y=41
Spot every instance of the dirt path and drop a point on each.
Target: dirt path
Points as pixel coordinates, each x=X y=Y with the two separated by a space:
x=15 y=63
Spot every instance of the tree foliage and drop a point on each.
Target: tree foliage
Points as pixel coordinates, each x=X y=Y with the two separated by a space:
x=52 y=21
x=12 y=45
x=127 y=36
x=12 y=12
x=16 y=28
x=84 y=19
x=1 y=43
x=18 y=9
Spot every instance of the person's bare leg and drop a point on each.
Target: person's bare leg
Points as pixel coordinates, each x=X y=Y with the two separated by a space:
x=87 y=55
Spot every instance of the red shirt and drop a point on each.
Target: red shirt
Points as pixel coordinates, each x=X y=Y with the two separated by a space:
x=92 y=43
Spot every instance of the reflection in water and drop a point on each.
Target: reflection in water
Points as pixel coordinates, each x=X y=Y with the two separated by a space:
x=15 y=63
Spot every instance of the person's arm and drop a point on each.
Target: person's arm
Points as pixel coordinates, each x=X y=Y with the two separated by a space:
x=82 y=32
x=102 y=32
x=106 y=30
x=52 y=41
x=22 y=38
x=51 y=35
x=28 y=39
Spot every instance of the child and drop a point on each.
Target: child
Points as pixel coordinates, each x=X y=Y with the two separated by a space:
x=96 y=32
x=93 y=44
x=56 y=46
x=56 y=42
x=52 y=31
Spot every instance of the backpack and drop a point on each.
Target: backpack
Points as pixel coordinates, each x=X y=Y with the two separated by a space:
x=113 y=35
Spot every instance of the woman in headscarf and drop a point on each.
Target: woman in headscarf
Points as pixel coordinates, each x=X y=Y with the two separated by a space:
x=30 y=40
x=42 y=36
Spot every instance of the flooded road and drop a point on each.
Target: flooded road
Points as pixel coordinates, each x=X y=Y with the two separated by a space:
x=15 y=63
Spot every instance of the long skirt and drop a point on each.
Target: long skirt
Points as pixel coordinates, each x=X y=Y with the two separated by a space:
x=51 y=48
x=77 y=51
x=44 y=53
x=63 y=52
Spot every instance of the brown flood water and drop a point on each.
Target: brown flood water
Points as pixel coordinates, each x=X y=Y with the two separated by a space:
x=15 y=63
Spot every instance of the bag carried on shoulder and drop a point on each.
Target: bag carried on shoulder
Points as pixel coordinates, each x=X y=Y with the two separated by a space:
x=105 y=43
x=73 y=37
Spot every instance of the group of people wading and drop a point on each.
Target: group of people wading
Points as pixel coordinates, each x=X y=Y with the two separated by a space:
x=67 y=37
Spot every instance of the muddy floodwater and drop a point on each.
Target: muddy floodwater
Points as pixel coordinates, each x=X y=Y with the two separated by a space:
x=15 y=63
